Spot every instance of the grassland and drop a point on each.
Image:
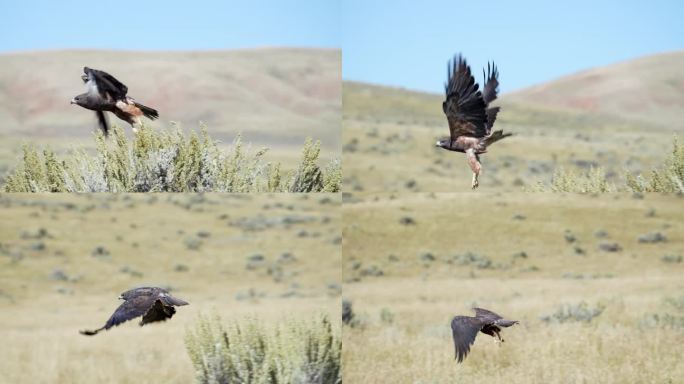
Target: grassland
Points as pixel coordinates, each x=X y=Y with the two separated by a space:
x=412 y=261
x=620 y=118
x=65 y=258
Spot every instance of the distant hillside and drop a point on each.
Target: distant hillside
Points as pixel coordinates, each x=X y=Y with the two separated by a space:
x=618 y=118
x=646 y=91
x=276 y=97
x=649 y=89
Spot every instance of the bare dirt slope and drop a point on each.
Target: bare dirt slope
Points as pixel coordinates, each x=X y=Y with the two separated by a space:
x=649 y=89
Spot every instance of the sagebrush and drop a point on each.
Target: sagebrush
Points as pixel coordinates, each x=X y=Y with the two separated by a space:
x=668 y=178
x=169 y=161
x=247 y=352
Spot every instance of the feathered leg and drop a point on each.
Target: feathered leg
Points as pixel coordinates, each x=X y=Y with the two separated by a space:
x=136 y=124
x=475 y=166
x=498 y=336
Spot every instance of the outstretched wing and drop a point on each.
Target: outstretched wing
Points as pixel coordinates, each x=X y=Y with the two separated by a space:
x=491 y=83
x=131 y=309
x=464 y=329
x=464 y=105
x=486 y=315
x=106 y=83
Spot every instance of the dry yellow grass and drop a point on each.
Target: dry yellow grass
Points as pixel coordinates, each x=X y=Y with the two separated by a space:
x=150 y=234
x=411 y=342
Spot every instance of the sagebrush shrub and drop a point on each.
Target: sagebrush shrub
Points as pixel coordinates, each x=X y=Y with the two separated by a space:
x=247 y=352
x=668 y=178
x=169 y=161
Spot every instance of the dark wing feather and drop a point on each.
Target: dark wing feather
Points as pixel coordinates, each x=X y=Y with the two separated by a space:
x=464 y=329
x=491 y=118
x=158 y=312
x=131 y=309
x=491 y=83
x=486 y=315
x=464 y=105
x=106 y=83
x=102 y=121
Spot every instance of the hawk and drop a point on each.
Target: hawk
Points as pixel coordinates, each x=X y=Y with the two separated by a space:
x=465 y=328
x=468 y=113
x=107 y=94
x=152 y=303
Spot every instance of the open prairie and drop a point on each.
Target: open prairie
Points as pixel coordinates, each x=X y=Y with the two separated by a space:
x=620 y=118
x=274 y=97
x=64 y=259
x=596 y=282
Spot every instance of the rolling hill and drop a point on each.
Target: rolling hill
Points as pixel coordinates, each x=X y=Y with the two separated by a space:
x=649 y=90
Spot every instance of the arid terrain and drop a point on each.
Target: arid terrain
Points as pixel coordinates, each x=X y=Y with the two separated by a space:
x=275 y=97
x=618 y=118
x=594 y=280
x=64 y=259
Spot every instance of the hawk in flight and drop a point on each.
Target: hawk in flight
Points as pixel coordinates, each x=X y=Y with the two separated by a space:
x=465 y=328
x=468 y=113
x=106 y=93
x=152 y=303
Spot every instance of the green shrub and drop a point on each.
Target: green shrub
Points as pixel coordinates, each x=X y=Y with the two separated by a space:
x=246 y=352
x=580 y=312
x=593 y=181
x=168 y=161
x=669 y=178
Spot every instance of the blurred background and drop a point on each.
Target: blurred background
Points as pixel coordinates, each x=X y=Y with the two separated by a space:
x=595 y=282
x=583 y=85
x=267 y=69
x=65 y=258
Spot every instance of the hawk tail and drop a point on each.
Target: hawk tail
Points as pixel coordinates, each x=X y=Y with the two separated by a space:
x=147 y=111
x=495 y=136
x=91 y=333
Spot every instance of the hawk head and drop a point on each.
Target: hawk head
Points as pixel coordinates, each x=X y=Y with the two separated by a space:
x=78 y=100
x=443 y=143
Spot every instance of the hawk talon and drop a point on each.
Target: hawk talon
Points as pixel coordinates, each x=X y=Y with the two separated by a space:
x=476 y=182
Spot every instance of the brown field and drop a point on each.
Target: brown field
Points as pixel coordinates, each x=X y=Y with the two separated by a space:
x=65 y=259
x=413 y=261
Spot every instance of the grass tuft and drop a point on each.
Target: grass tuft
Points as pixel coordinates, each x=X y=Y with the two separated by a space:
x=169 y=161
x=246 y=352
x=669 y=178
